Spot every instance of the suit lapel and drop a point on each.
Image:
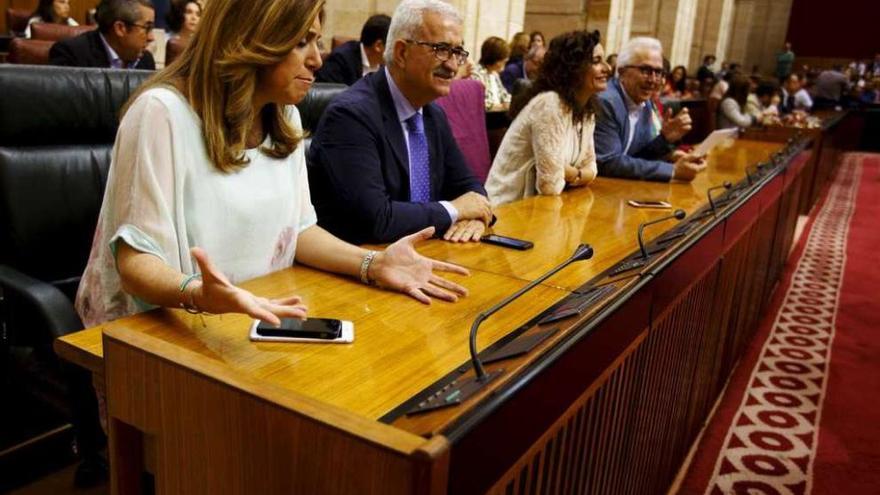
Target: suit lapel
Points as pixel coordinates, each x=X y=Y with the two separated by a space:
x=625 y=112
x=393 y=130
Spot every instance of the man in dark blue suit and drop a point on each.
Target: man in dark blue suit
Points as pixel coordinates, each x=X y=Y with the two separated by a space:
x=125 y=27
x=351 y=60
x=524 y=68
x=632 y=140
x=383 y=162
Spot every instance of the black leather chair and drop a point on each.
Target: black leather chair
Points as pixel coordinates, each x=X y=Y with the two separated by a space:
x=57 y=128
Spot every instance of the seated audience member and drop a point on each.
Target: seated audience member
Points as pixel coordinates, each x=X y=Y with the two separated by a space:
x=630 y=140
x=536 y=39
x=53 y=12
x=762 y=103
x=794 y=97
x=352 y=60
x=611 y=60
x=383 y=161
x=124 y=29
x=873 y=69
x=493 y=57
x=676 y=84
x=525 y=68
x=183 y=19
x=550 y=143
x=705 y=71
x=208 y=183
x=830 y=87
x=732 y=110
x=721 y=86
x=519 y=46
x=871 y=94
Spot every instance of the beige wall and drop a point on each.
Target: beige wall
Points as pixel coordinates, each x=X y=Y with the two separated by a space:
x=746 y=31
x=553 y=17
x=483 y=18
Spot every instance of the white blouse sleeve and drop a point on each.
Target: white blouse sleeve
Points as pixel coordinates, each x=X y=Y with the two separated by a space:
x=142 y=190
x=730 y=108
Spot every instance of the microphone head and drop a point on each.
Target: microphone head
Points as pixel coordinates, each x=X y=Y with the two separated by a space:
x=727 y=184
x=679 y=214
x=582 y=252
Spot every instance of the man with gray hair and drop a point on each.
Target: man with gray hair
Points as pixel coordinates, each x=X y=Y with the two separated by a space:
x=525 y=68
x=632 y=140
x=125 y=27
x=383 y=162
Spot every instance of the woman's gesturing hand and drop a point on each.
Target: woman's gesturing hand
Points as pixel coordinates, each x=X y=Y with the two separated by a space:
x=217 y=295
x=400 y=267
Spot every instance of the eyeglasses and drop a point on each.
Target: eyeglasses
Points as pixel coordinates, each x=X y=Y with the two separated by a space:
x=648 y=71
x=146 y=27
x=444 y=51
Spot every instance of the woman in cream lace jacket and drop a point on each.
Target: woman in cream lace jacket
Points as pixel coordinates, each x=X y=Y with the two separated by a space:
x=549 y=145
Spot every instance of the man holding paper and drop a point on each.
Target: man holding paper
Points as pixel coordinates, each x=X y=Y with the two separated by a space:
x=631 y=140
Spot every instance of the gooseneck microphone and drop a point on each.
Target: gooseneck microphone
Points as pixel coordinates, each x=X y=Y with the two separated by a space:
x=757 y=168
x=726 y=185
x=678 y=214
x=582 y=252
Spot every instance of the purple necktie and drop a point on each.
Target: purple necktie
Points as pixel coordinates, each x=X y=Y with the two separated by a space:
x=419 y=161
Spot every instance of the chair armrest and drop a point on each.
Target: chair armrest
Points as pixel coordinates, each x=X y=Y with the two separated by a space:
x=50 y=306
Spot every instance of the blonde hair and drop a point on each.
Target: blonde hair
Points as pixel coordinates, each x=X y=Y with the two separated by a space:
x=217 y=73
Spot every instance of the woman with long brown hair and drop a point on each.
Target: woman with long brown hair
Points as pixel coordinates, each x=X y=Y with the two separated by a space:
x=549 y=145
x=732 y=109
x=209 y=159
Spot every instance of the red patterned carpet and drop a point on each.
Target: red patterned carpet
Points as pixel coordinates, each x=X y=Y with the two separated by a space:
x=802 y=411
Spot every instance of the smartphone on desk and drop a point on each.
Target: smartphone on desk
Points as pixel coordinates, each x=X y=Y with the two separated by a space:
x=641 y=203
x=508 y=242
x=325 y=330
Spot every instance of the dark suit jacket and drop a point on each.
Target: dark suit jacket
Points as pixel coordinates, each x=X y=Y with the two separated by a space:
x=87 y=50
x=643 y=160
x=359 y=167
x=344 y=65
x=512 y=71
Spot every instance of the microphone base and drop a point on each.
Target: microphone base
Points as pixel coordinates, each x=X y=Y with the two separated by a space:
x=454 y=393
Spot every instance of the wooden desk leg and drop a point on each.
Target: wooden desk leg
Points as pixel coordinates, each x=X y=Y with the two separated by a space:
x=127 y=454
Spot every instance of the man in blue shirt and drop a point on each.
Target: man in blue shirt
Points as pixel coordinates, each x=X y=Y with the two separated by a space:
x=125 y=27
x=632 y=140
x=383 y=162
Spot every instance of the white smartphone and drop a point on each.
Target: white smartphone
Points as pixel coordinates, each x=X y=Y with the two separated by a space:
x=635 y=203
x=320 y=330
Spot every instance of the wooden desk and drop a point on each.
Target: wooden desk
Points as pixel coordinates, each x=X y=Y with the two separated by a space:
x=610 y=401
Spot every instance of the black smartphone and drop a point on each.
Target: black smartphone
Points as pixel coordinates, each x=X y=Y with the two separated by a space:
x=508 y=242
x=312 y=328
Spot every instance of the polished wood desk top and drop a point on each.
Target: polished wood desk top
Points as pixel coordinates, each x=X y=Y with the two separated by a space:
x=401 y=346
x=597 y=215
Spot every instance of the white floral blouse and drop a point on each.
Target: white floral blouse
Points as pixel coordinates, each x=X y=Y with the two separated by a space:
x=496 y=93
x=164 y=196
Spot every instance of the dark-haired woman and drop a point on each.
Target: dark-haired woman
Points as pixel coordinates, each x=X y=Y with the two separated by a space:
x=493 y=57
x=183 y=19
x=732 y=110
x=51 y=12
x=676 y=84
x=550 y=143
x=536 y=39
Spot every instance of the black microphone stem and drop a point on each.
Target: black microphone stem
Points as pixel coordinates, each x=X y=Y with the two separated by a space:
x=583 y=252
